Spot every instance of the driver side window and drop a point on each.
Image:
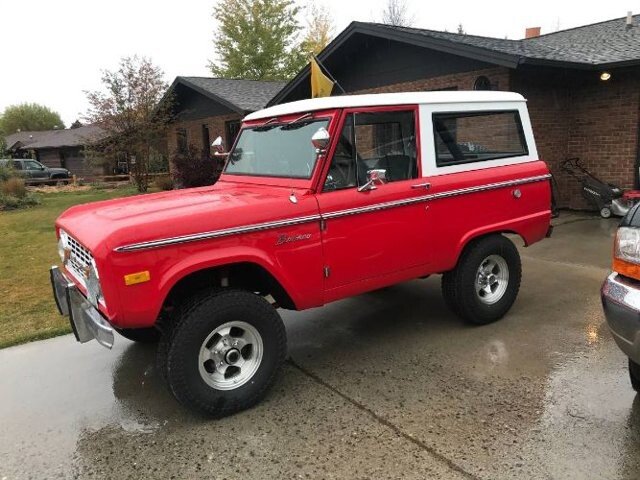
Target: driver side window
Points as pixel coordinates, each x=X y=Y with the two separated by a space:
x=30 y=165
x=376 y=140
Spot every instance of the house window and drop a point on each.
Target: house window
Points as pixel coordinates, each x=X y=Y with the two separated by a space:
x=465 y=137
x=181 y=140
x=206 y=142
x=232 y=128
x=482 y=83
x=378 y=140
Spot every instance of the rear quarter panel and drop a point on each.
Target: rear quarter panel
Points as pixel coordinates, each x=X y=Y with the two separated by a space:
x=458 y=219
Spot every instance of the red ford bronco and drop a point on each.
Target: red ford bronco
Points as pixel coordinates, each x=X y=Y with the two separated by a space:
x=320 y=200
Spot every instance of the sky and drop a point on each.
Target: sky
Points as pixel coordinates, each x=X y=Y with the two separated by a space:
x=53 y=51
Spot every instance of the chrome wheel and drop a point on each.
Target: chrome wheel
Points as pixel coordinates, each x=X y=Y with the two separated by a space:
x=230 y=355
x=492 y=279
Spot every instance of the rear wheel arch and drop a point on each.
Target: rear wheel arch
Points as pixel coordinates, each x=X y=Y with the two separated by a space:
x=472 y=238
x=485 y=281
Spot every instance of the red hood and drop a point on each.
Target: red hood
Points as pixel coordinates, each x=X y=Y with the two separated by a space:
x=113 y=223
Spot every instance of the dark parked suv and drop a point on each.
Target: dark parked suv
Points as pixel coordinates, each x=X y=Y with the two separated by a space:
x=34 y=172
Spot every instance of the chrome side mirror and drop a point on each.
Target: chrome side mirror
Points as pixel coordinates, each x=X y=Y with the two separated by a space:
x=320 y=140
x=218 y=147
x=375 y=177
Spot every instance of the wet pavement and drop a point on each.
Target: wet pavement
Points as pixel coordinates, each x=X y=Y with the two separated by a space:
x=385 y=385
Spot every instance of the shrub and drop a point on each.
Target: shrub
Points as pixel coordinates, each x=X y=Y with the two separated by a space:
x=195 y=168
x=13 y=187
x=9 y=202
x=164 y=183
x=6 y=173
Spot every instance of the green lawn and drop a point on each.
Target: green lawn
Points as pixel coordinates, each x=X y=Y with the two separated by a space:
x=27 y=250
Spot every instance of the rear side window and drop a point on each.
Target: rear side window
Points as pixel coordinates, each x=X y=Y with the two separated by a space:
x=465 y=137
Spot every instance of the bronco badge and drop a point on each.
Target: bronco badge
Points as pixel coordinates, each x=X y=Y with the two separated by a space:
x=284 y=238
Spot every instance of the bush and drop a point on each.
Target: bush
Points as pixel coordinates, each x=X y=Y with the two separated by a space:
x=195 y=168
x=6 y=173
x=13 y=187
x=9 y=202
x=164 y=183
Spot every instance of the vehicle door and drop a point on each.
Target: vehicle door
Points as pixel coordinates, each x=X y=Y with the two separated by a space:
x=380 y=229
x=35 y=170
x=17 y=166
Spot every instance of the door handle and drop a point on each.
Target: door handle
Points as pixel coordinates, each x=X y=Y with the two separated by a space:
x=425 y=185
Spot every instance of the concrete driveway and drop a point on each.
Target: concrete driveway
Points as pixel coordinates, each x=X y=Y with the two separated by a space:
x=385 y=385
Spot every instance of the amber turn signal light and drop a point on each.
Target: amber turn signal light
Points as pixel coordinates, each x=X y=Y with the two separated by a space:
x=135 y=278
x=627 y=269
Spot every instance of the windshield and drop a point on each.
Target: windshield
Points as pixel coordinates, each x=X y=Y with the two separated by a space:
x=276 y=150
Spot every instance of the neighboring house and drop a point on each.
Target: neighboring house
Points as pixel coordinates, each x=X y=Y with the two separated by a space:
x=58 y=148
x=205 y=108
x=582 y=84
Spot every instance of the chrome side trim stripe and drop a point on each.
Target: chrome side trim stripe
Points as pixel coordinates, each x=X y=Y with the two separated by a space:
x=217 y=233
x=435 y=196
x=313 y=218
x=492 y=186
x=376 y=207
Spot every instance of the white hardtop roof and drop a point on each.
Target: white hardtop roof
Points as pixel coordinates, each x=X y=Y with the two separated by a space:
x=381 y=99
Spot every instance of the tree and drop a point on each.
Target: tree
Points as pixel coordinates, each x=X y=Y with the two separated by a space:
x=319 y=31
x=128 y=111
x=29 y=117
x=257 y=39
x=396 y=13
x=76 y=124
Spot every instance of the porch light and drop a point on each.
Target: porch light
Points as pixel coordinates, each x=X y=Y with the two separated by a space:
x=604 y=76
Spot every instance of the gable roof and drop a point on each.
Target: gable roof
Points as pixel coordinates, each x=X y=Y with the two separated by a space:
x=239 y=95
x=600 y=45
x=70 y=137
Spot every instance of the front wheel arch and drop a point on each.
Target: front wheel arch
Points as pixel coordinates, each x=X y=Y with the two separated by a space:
x=247 y=276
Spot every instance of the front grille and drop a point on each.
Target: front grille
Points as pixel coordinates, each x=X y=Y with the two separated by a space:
x=79 y=259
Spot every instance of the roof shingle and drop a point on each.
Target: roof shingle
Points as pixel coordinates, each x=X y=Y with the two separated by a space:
x=602 y=43
x=70 y=137
x=245 y=95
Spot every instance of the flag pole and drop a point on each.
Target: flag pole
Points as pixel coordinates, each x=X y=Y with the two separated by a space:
x=328 y=73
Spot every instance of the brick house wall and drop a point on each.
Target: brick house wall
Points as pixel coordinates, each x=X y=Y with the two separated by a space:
x=216 y=126
x=499 y=77
x=593 y=120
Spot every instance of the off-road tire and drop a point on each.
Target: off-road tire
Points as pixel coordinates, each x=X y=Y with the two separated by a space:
x=140 y=335
x=194 y=321
x=634 y=375
x=459 y=284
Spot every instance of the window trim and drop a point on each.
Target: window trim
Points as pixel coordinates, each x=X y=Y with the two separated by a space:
x=477 y=113
x=413 y=108
x=275 y=124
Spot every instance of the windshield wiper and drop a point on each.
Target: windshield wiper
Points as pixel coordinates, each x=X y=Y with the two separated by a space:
x=305 y=119
x=268 y=125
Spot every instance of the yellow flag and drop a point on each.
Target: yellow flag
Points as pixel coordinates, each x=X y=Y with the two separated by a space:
x=321 y=86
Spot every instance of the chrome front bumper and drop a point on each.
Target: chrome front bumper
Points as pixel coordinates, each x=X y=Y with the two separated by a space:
x=86 y=321
x=621 y=304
